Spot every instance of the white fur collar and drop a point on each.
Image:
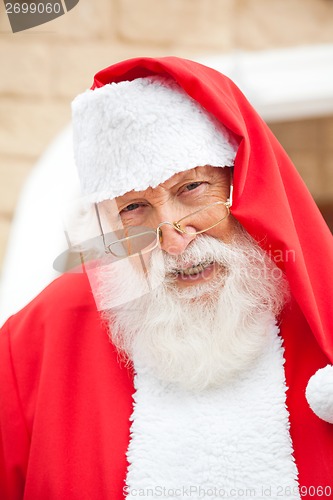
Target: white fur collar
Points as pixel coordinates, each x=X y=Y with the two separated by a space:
x=232 y=441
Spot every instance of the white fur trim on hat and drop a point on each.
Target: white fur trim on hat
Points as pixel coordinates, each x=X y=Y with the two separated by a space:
x=319 y=393
x=136 y=134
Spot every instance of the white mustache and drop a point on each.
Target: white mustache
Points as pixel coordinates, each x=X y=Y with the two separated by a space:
x=201 y=251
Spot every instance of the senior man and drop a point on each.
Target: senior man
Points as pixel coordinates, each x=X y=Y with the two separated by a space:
x=177 y=364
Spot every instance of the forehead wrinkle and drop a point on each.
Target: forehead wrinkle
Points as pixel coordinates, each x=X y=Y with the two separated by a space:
x=162 y=192
x=159 y=195
x=156 y=196
x=162 y=188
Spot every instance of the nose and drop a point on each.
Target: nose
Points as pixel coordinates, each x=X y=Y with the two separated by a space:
x=172 y=241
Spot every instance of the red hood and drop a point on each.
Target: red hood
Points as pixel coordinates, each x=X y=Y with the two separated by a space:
x=270 y=199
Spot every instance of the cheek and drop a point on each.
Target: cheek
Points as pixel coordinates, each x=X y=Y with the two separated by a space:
x=225 y=230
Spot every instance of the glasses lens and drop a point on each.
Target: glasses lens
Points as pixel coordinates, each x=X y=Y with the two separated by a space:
x=131 y=241
x=76 y=258
x=204 y=219
x=91 y=253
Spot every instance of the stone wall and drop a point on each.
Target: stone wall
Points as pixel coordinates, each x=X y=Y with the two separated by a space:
x=309 y=143
x=42 y=69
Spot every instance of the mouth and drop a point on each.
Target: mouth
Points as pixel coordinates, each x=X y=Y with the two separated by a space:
x=194 y=269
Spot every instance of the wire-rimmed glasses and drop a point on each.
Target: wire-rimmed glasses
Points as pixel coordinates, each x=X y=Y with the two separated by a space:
x=134 y=240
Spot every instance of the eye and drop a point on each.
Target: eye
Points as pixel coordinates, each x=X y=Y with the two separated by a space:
x=192 y=186
x=134 y=207
x=131 y=207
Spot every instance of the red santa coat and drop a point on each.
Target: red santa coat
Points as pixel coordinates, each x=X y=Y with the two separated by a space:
x=66 y=401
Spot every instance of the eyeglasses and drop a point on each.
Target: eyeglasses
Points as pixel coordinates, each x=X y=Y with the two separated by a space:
x=135 y=240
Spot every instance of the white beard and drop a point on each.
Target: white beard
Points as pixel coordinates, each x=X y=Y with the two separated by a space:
x=203 y=335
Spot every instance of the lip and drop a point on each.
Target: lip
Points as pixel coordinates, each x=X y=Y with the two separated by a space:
x=206 y=274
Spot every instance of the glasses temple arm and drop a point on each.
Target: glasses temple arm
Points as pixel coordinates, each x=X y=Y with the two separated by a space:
x=100 y=224
x=231 y=189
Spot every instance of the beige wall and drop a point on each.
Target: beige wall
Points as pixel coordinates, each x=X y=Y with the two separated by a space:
x=44 y=68
x=309 y=143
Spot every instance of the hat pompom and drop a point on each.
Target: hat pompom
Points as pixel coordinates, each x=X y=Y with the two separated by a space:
x=319 y=393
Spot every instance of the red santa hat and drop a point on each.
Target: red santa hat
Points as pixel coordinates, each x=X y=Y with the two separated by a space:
x=135 y=134
x=270 y=201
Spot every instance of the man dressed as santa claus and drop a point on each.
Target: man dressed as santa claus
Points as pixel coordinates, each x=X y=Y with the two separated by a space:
x=191 y=357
